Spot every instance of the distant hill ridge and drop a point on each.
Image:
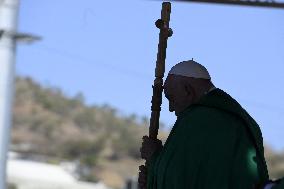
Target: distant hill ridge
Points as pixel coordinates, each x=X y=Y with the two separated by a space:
x=48 y=123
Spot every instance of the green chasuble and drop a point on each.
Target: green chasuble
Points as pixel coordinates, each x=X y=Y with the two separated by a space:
x=214 y=144
x=280 y=185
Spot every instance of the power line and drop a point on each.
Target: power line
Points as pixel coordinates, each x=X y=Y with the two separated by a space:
x=264 y=106
x=131 y=73
x=121 y=69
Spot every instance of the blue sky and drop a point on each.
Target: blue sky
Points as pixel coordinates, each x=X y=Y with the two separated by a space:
x=107 y=50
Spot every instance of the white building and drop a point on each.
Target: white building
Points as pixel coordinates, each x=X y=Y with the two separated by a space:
x=34 y=175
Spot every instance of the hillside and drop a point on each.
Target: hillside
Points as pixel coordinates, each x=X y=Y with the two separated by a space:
x=49 y=126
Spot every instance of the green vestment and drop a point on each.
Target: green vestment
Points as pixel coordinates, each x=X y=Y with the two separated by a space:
x=214 y=144
x=280 y=185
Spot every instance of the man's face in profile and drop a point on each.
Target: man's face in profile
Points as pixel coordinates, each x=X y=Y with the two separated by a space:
x=176 y=92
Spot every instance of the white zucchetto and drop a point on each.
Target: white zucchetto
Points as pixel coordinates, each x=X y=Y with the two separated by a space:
x=190 y=68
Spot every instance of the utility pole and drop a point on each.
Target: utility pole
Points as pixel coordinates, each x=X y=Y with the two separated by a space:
x=8 y=40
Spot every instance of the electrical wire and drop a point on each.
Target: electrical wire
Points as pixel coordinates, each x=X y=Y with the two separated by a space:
x=143 y=76
x=121 y=69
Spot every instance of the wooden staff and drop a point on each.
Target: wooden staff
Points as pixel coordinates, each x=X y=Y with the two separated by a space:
x=165 y=33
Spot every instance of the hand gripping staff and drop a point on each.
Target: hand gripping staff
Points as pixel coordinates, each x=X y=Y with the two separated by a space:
x=165 y=33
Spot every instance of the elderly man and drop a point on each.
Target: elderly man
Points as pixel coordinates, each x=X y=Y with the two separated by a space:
x=214 y=144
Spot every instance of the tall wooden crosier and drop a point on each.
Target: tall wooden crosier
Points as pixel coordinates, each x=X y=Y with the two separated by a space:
x=165 y=33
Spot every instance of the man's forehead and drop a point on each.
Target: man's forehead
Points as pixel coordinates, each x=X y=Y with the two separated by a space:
x=171 y=81
x=171 y=77
x=168 y=80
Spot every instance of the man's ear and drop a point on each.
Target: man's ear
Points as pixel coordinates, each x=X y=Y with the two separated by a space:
x=189 y=89
x=191 y=93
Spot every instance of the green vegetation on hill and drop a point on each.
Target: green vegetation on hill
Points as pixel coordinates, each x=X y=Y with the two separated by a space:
x=48 y=123
x=52 y=124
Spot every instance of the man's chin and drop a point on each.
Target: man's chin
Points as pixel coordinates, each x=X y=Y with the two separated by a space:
x=172 y=110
